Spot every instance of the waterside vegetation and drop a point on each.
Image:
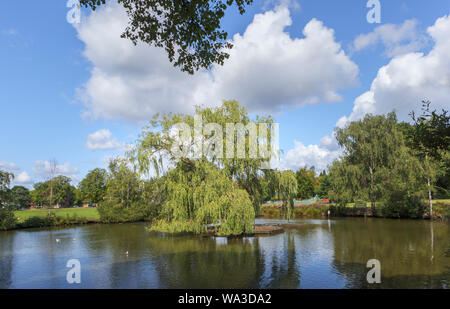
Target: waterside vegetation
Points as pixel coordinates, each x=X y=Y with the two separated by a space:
x=387 y=169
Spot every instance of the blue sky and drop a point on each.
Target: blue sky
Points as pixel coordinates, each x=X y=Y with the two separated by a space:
x=50 y=100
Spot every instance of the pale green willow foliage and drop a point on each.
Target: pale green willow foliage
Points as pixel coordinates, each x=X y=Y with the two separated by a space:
x=224 y=191
x=200 y=194
x=287 y=188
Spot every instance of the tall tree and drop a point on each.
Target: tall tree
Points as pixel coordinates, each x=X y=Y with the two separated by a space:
x=5 y=181
x=219 y=144
x=64 y=192
x=324 y=185
x=20 y=197
x=123 y=185
x=7 y=218
x=430 y=137
x=189 y=31
x=306 y=182
x=287 y=189
x=371 y=147
x=213 y=171
x=93 y=186
x=60 y=190
x=200 y=194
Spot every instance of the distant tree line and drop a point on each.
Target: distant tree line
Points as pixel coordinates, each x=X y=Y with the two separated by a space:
x=394 y=166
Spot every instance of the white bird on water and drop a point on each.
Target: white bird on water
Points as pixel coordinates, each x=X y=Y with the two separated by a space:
x=126 y=253
x=57 y=239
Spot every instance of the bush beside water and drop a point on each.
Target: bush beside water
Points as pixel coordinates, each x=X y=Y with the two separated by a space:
x=309 y=211
x=52 y=220
x=7 y=219
x=111 y=212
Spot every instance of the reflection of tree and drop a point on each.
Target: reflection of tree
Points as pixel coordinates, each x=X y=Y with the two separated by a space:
x=402 y=247
x=186 y=261
x=194 y=262
x=124 y=253
x=281 y=267
x=6 y=259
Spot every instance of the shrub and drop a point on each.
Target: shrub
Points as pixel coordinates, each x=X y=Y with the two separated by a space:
x=51 y=219
x=111 y=212
x=7 y=219
x=270 y=212
x=441 y=211
x=360 y=204
x=400 y=204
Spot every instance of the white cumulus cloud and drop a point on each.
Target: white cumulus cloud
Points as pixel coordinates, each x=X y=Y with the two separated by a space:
x=319 y=156
x=8 y=166
x=103 y=140
x=267 y=69
x=397 y=39
x=407 y=79
x=42 y=169
x=23 y=178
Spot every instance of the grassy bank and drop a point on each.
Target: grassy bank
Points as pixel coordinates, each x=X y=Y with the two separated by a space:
x=75 y=216
x=55 y=217
x=90 y=214
x=441 y=210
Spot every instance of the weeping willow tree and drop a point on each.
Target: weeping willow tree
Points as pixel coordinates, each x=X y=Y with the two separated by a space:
x=212 y=176
x=287 y=189
x=200 y=195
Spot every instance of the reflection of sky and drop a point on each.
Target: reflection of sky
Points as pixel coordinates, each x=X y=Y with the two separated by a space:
x=126 y=256
x=40 y=257
x=313 y=256
x=315 y=251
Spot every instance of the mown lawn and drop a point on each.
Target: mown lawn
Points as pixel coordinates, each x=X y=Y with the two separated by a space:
x=89 y=213
x=445 y=202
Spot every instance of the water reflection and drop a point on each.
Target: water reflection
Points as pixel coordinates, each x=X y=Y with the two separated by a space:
x=6 y=262
x=314 y=254
x=412 y=253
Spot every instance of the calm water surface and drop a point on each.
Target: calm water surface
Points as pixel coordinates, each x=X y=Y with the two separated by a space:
x=316 y=254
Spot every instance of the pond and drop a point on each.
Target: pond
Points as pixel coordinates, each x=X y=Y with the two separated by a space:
x=315 y=254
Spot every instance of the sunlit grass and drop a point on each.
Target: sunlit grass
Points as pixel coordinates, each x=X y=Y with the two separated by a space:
x=90 y=214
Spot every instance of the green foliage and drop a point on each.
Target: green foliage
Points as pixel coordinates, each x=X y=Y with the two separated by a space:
x=51 y=219
x=430 y=133
x=429 y=137
x=20 y=197
x=189 y=31
x=200 y=194
x=442 y=211
x=325 y=185
x=7 y=219
x=112 y=212
x=156 y=143
x=311 y=211
x=400 y=204
x=306 y=181
x=268 y=185
x=442 y=184
x=5 y=180
x=378 y=166
x=93 y=187
x=64 y=194
x=270 y=212
x=375 y=161
x=123 y=201
x=287 y=188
